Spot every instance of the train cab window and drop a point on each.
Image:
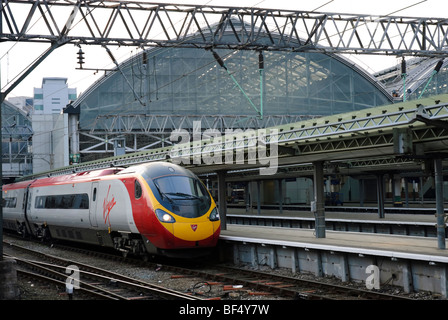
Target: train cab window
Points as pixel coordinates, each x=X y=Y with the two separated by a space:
x=137 y=189
x=181 y=186
x=183 y=195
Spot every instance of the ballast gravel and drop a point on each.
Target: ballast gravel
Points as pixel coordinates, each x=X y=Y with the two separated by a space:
x=32 y=290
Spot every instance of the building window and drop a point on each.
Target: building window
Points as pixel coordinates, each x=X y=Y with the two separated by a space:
x=38 y=96
x=38 y=107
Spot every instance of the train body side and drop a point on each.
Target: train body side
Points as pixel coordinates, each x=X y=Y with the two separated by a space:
x=75 y=207
x=109 y=208
x=14 y=205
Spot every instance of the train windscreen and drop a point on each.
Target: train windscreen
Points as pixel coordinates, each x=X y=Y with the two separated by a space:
x=183 y=195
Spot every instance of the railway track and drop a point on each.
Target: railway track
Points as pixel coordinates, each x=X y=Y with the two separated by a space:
x=251 y=282
x=268 y=283
x=234 y=283
x=101 y=283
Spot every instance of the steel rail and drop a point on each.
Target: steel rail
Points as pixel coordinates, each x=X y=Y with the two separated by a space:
x=59 y=265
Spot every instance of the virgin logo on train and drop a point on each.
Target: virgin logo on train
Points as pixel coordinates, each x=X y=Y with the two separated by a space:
x=194 y=227
x=107 y=207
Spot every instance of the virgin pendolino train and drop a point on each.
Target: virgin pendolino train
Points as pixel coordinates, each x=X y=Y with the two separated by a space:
x=154 y=208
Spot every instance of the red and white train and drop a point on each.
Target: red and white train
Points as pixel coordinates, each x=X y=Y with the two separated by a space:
x=153 y=208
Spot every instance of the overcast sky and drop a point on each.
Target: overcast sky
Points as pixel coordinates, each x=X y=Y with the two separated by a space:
x=62 y=62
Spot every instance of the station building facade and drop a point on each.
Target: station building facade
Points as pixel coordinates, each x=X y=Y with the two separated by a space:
x=163 y=89
x=137 y=106
x=17 y=136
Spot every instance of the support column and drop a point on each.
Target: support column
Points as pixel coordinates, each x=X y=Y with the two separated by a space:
x=397 y=191
x=361 y=192
x=380 y=195
x=439 y=203
x=9 y=289
x=2 y=97
x=258 y=197
x=406 y=192
x=280 y=195
x=247 y=198
x=319 y=199
x=222 y=198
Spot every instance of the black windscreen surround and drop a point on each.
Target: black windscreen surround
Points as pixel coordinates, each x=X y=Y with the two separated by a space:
x=176 y=188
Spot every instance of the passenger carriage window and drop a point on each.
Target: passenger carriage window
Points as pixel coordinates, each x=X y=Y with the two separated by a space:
x=84 y=201
x=137 y=189
x=9 y=202
x=64 y=201
x=40 y=201
x=94 y=194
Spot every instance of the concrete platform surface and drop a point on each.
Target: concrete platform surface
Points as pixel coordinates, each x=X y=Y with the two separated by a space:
x=394 y=246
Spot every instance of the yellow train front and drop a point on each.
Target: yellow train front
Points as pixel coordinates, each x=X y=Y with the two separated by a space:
x=178 y=217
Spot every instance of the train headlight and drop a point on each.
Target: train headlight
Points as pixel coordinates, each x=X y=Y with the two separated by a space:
x=164 y=216
x=214 y=215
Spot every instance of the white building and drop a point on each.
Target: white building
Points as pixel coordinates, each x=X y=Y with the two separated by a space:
x=53 y=96
x=50 y=124
x=23 y=103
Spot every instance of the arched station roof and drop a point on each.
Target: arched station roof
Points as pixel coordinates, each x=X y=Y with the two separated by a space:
x=185 y=81
x=425 y=76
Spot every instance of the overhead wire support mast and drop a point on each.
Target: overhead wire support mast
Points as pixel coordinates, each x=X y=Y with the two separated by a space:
x=222 y=64
x=55 y=43
x=434 y=72
x=124 y=76
x=261 y=69
x=403 y=76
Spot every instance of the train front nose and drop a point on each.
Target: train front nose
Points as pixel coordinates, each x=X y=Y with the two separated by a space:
x=196 y=234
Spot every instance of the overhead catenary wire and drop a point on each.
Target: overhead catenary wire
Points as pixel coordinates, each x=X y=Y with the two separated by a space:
x=287 y=23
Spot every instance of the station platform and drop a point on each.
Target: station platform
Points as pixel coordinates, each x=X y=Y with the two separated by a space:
x=412 y=263
x=418 y=223
x=392 y=246
x=340 y=215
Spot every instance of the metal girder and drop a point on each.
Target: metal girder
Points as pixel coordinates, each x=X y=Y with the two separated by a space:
x=358 y=130
x=329 y=138
x=167 y=123
x=104 y=143
x=138 y=23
